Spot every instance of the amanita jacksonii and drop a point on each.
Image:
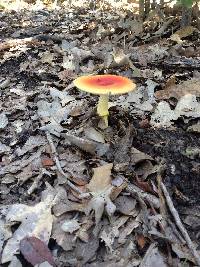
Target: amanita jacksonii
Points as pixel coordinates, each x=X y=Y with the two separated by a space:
x=104 y=85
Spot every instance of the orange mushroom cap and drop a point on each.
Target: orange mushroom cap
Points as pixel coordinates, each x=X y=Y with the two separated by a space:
x=105 y=84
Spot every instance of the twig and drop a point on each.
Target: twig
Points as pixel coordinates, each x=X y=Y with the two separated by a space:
x=179 y=224
x=59 y=168
x=163 y=209
x=35 y=183
x=134 y=190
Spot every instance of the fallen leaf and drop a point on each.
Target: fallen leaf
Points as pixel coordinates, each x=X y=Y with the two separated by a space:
x=138 y=156
x=183 y=252
x=35 y=251
x=182 y=33
x=153 y=257
x=128 y=229
x=47 y=57
x=126 y=205
x=35 y=221
x=109 y=233
x=4 y=148
x=63 y=239
x=18 y=165
x=47 y=162
x=94 y=135
x=177 y=91
x=70 y=226
x=141 y=240
x=3 y=120
x=31 y=143
x=101 y=189
x=15 y=262
x=5 y=233
x=192 y=128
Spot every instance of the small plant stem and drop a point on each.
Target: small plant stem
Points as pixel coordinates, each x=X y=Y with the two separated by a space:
x=102 y=108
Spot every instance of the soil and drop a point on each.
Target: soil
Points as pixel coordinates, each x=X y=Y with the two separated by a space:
x=174 y=148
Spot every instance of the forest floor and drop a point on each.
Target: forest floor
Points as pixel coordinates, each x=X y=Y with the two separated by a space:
x=73 y=192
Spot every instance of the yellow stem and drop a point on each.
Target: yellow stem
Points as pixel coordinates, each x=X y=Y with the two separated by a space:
x=102 y=108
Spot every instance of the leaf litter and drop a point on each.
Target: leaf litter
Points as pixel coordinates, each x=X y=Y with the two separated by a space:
x=91 y=194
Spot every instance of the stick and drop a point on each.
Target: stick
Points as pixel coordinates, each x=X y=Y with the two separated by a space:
x=180 y=225
x=133 y=189
x=59 y=168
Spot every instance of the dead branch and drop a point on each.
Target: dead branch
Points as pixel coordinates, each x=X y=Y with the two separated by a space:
x=134 y=190
x=59 y=168
x=180 y=225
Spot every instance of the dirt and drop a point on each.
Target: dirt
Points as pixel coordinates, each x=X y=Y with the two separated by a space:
x=175 y=148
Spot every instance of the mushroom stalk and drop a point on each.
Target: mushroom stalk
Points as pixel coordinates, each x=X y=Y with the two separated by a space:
x=102 y=108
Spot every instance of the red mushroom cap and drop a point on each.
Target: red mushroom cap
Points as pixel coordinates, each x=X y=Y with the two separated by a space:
x=105 y=84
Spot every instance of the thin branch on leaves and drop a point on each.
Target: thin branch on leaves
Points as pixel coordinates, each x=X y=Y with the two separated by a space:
x=59 y=168
x=180 y=225
x=134 y=190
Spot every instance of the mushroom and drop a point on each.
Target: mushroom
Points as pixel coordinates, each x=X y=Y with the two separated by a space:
x=104 y=85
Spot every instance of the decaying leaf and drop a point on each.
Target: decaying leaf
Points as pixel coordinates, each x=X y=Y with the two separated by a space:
x=35 y=251
x=94 y=135
x=126 y=205
x=183 y=252
x=177 y=91
x=70 y=226
x=18 y=165
x=4 y=148
x=138 y=156
x=63 y=239
x=109 y=233
x=63 y=204
x=88 y=145
x=31 y=143
x=187 y=106
x=5 y=233
x=35 y=221
x=182 y=33
x=192 y=128
x=128 y=229
x=153 y=257
x=63 y=96
x=3 y=120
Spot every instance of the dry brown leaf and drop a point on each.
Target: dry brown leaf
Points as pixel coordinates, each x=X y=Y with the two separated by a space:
x=101 y=178
x=36 y=251
x=101 y=189
x=178 y=90
x=34 y=220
